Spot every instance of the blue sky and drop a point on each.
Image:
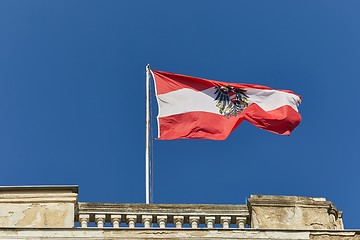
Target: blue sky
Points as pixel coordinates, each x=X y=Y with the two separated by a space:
x=72 y=97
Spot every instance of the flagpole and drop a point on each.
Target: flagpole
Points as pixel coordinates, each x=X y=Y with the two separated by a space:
x=147 y=141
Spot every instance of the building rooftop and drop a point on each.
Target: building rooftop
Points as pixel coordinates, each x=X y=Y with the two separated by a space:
x=53 y=212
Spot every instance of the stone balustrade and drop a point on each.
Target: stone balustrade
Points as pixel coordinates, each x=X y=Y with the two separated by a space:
x=57 y=207
x=162 y=215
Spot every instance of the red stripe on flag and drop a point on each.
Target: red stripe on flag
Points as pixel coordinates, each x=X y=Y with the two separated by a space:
x=167 y=82
x=281 y=120
x=203 y=125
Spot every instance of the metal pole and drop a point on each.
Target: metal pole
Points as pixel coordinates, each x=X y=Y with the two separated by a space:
x=147 y=141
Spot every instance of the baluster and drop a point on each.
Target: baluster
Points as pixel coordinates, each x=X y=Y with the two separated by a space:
x=178 y=221
x=241 y=222
x=84 y=220
x=147 y=220
x=116 y=220
x=225 y=222
x=194 y=221
x=161 y=220
x=100 y=220
x=131 y=220
x=210 y=221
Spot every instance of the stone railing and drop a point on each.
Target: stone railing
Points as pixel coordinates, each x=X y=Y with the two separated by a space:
x=162 y=215
x=58 y=207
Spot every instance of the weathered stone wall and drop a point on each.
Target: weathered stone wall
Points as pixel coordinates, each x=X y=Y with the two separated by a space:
x=36 y=215
x=175 y=234
x=349 y=235
x=289 y=212
x=37 y=206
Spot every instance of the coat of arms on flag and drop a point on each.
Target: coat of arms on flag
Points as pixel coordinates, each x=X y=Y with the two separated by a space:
x=230 y=100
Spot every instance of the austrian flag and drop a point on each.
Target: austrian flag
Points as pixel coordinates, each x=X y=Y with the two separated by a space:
x=191 y=107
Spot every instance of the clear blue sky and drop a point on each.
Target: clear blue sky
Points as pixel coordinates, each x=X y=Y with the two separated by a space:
x=72 y=97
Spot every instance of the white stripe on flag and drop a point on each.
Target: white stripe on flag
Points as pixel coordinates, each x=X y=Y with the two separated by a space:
x=188 y=100
x=272 y=99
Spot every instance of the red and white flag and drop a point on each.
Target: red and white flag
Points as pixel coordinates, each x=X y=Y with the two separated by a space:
x=191 y=107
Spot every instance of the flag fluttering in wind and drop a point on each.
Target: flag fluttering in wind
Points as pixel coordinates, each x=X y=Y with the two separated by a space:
x=191 y=107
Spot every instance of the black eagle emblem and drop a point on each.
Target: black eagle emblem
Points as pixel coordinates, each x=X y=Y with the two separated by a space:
x=230 y=100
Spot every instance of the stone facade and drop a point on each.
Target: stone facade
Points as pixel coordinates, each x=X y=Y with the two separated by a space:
x=53 y=212
x=37 y=206
x=346 y=235
x=289 y=212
